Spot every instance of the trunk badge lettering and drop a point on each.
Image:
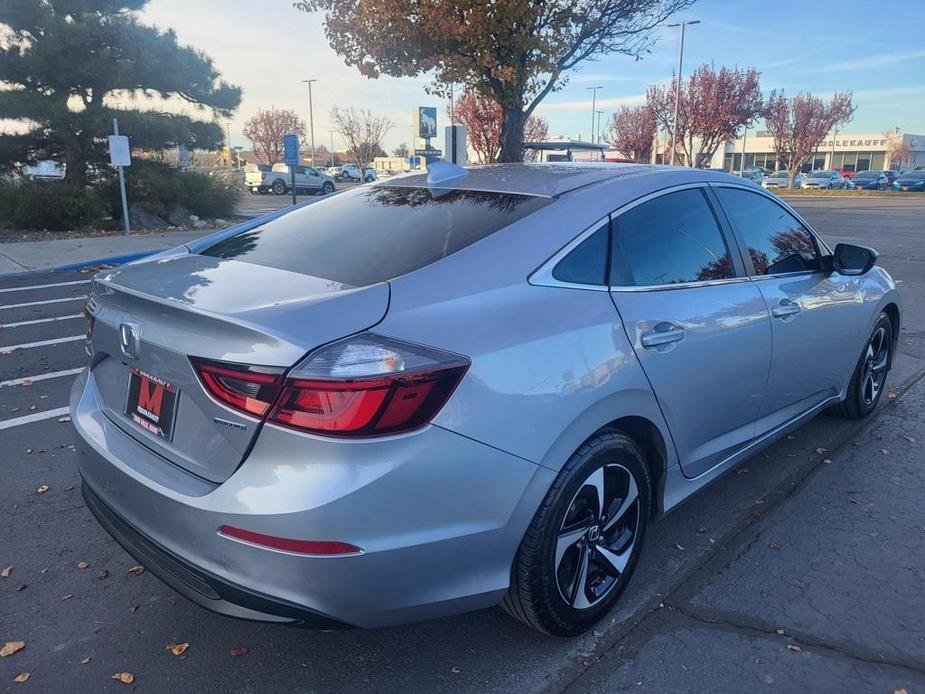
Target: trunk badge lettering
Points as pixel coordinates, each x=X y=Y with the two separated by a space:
x=226 y=423
x=128 y=339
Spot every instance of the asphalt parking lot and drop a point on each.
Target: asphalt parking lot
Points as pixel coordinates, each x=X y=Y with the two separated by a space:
x=802 y=571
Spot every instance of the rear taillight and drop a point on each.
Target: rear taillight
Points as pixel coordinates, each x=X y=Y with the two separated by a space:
x=251 y=389
x=285 y=544
x=366 y=385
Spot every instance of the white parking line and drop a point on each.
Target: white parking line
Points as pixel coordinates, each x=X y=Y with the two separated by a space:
x=47 y=301
x=41 y=343
x=40 y=320
x=43 y=286
x=34 y=417
x=40 y=377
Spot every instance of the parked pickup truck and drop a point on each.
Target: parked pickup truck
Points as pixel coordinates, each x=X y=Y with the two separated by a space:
x=279 y=181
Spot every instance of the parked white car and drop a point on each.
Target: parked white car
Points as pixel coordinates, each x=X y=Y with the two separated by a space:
x=779 y=179
x=351 y=172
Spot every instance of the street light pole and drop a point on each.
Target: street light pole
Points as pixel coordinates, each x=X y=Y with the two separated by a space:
x=598 y=138
x=593 y=107
x=677 y=93
x=332 y=149
x=311 y=117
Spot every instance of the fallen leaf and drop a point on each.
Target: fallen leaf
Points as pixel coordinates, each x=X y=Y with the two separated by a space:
x=33 y=408
x=791 y=437
x=456 y=669
x=42 y=489
x=742 y=471
x=712 y=540
x=26 y=382
x=885 y=451
x=892 y=396
x=124 y=677
x=900 y=691
x=133 y=608
x=83 y=565
x=759 y=501
x=679 y=546
x=779 y=632
x=827 y=461
x=65 y=418
x=103 y=574
x=137 y=570
x=821 y=451
x=910 y=439
x=11 y=647
x=21 y=677
x=6 y=571
x=238 y=651
x=178 y=648
x=67 y=597
x=793 y=648
x=774 y=545
x=86 y=661
x=22 y=587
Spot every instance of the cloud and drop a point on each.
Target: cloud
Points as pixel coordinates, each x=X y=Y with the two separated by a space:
x=586 y=105
x=870 y=62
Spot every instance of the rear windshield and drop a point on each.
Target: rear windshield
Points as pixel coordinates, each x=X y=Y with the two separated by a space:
x=375 y=233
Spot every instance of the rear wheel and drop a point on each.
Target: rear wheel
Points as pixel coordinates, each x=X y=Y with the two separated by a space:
x=866 y=386
x=579 y=552
x=278 y=187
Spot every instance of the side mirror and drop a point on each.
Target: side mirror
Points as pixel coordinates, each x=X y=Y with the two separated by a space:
x=853 y=260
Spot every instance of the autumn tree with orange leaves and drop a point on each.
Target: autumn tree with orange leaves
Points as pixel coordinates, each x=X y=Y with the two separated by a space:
x=266 y=130
x=713 y=106
x=483 y=119
x=631 y=132
x=514 y=52
x=799 y=124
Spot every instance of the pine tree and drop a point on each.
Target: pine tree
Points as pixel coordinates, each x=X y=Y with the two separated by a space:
x=67 y=67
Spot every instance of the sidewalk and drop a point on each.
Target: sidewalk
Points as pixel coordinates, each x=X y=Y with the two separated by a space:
x=20 y=256
x=822 y=594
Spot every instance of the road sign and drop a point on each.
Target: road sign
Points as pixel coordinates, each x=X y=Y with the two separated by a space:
x=119 y=152
x=291 y=149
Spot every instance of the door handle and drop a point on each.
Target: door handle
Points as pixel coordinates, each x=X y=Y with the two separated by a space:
x=664 y=334
x=786 y=308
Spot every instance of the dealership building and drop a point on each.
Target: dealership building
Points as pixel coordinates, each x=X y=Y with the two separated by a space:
x=854 y=152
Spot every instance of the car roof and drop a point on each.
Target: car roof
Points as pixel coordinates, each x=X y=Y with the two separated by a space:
x=547 y=179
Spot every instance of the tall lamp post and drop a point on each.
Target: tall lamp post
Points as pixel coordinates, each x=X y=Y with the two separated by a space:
x=597 y=139
x=677 y=92
x=593 y=107
x=311 y=117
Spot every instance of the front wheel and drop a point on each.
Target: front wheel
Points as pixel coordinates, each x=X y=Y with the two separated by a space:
x=278 y=187
x=582 y=546
x=327 y=188
x=869 y=376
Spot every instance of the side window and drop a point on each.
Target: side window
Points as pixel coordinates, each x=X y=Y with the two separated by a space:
x=311 y=172
x=774 y=239
x=671 y=239
x=587 y=262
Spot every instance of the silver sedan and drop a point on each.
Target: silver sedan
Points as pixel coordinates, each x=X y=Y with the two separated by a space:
x=460 y=389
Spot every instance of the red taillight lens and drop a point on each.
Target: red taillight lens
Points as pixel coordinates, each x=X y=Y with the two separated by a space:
x=246 y=388
x=366 y=407
x=288 y=545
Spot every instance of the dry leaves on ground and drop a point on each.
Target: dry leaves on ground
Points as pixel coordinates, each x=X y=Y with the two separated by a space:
x=456 y=669
x=65 y=418
x=86 y=661
x=124 y=677
x=774 y=545
x=83 y=565
x=137 y=570
x=42 y=489
x=177 y=648
x=21 y=677
x=793 y=647
x=11 y=647
x=6 y=571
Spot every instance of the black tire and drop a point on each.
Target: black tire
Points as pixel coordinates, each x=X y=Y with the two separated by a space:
x=860 y=400
x=539 y=571
x=327 y=188
x=278 y=187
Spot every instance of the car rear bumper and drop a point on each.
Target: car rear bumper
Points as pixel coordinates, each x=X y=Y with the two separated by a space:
x=438 y=516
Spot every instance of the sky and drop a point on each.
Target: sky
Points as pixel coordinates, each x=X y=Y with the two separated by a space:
x=876 y=50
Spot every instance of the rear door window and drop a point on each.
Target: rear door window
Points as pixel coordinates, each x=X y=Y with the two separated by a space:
x=774 y=240
x=671 y=239
x=375 y=233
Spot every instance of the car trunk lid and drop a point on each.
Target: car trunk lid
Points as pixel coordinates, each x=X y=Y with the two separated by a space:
x=152 y=317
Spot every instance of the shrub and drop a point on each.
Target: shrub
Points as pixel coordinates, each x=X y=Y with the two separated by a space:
x=49 y=205
x=161 y=189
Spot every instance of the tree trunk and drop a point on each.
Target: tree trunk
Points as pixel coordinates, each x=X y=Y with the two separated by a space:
x=75 y=161
x=512 y=135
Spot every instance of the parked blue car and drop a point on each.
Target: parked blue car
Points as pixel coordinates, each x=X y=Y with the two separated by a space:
x=914 y=181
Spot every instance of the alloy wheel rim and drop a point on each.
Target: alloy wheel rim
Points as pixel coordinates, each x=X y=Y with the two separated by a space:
x=876 y=357
x=597 y=536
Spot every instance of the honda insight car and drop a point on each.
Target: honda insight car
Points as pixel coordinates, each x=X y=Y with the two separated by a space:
x=444 y=393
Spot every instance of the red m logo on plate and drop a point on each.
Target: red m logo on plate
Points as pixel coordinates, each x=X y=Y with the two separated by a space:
x=150 y=396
